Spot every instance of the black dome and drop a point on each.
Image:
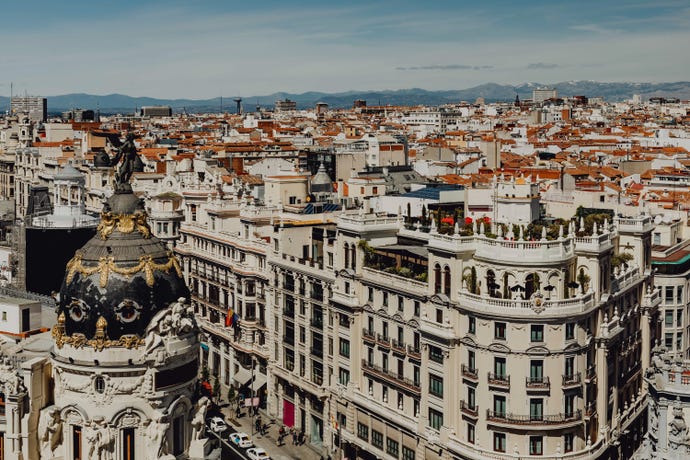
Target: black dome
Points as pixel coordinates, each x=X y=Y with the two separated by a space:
x=122 y=274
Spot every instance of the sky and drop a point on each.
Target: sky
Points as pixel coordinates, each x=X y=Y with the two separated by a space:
x=204 y=49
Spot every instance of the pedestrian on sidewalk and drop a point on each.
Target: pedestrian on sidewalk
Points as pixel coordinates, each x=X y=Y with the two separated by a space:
x=294 y=438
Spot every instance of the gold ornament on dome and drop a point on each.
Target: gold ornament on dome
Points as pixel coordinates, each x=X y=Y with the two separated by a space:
x=107 y=264
x=100 y=340
x=125 y=223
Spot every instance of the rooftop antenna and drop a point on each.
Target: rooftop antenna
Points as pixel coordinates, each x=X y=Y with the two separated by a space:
x=238 y=101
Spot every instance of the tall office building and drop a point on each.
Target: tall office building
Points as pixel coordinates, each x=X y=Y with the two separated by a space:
x=36 y=107
x=542 y=94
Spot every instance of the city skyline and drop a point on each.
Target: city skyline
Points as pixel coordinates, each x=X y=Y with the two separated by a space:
x=173 y=49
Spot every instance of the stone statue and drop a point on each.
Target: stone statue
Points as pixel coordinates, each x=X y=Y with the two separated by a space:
x=678 y=430
x=157 y=431
x=199 y=420
x=49 y=432
x=100 y=439
x=177 y=319
x=127 y=153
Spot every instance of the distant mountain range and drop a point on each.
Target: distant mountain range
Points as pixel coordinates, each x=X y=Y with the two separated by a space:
x=491 y=92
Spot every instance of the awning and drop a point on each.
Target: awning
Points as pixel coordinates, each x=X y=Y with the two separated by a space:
x=259 y=381
x=242 y=376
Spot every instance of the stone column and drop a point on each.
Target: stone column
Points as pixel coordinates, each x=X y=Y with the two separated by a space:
x=602 y=387
x=646 y=344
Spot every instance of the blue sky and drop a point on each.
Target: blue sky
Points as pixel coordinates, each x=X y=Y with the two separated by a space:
x=202 y=49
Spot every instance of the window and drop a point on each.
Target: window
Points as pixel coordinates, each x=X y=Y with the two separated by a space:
x=407 y=453
x=679 y=294
x=439 y=315
x=499 y=405
x=536 y=445
x=499 y=442
x=99 y=384
x=668 y=318
x=537 y=333
x=385 y=299
x=568 y=441
x=679 y=341
x=302 y=335
x=343 y=376
x=436 y=385
x=345 y=348
x=471 y=397
x=679 y=317
x=392 y=447
x=415 y=375
x=570 y=331
x=500 y=367
x=668 y=297
x=536 y=370
x=435 y=354
x=536 y=409
x=500 y=331
x=472 y=325
x=570 y=366
x=362 y=431
x=668 y=340
x=435 y=419
x=416 y=308
x=657 y=238
x=377 y=439
x=569 y=405
x=471 y=360
x=401 y=303
x=470 y=433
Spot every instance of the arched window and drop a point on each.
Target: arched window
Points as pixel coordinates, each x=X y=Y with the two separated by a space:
x=437 y=279
x=531 y=284
x=446 y=280
x=347 y=255
x=491 y=284
x=353 y=248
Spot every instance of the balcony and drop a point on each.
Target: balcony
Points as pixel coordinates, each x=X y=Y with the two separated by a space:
x=470 y=372
x=591 y=374
x=572 y=380
x=390 y=377
x=471 y=410
x=368 y=335
x=414 y=352
x=383 y=341
x=499 y=380
x=534 y=419
x=537 y=383
x=561 y=308
x=398 y=347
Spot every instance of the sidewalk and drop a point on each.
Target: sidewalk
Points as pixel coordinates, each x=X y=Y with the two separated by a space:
x=286 y=451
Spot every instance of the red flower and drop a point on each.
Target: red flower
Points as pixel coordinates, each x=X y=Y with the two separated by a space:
x=448 y=220
x=468 y=220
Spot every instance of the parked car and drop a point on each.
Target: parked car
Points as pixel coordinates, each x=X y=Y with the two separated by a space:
x=217 y=425
x=257 y=453
x=241 y=439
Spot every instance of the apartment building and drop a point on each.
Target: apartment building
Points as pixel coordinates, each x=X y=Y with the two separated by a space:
x=226 y=273
x=304 y=345
x=475 y=347
x=671 y=265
